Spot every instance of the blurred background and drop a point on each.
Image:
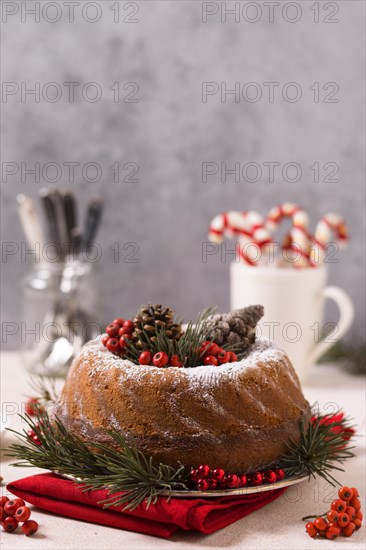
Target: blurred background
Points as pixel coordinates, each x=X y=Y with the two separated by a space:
x=122 y=109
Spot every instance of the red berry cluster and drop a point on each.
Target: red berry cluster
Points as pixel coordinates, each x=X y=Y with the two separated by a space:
x=13 y=512
x=33 y=406
x=212 y=354
x=343 y=518
x=160 y=359
x=116 y=335
x=204 y=478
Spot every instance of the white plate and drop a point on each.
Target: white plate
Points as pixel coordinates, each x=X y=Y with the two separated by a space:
x=221 y=492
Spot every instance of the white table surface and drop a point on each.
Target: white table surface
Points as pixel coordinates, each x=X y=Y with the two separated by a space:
x=277 y=525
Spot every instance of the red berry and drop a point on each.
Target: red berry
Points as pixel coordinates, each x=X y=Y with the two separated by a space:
x=355 y=503
x=280 y=474
x=359 y=515
x=358 y=523
x=160 y=359
x=212 y=483
x=193 y=474
x=175 y=361
x=232 y=481
x=210 y=360
x=2 y=514
x=210 y=348
x=348 y=530
x=338 y=505
x=223 y=357
x=332 y=516
x=123 y=341
x=270 y=476
x=233 y=357
x=255 y=479
x=332 y=533
x=311 y=529
x=32 y=406
x=34 y=437
x=202 y=484
x=204 y=346
x=10 y=524
x=113 y=345
x=320 y=524
x=11 y=507
x=243 y=480
x=145 y=358
x=345 y=493
x=105 y=338
x=3 y=500
x=30 y=527
x=343 y=519
x=203 y=470
x=118 y=321
x=112 y=330
x=23 y=513
x=355 y=492
x=218 y=474
x=129 y=326
x=21 y=501
x=124 y=332
x=351 y=512
x=213 y=349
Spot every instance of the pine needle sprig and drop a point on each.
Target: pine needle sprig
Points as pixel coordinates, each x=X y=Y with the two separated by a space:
x=133 y=474
x=322 y=446
x=125 y=472
x=193 y=337
x=59 y=449
x=45 y=388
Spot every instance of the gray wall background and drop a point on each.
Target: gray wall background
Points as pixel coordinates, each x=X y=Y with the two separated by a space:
x=170 y=132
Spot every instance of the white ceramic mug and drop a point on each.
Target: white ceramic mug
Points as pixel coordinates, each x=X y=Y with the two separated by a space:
x=293 y=303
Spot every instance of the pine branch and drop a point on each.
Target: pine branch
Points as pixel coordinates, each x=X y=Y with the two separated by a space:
x=323 y=444
x=125 y=470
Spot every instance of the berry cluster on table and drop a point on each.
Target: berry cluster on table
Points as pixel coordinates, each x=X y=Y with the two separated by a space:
x=343 y=518
x=13 y=512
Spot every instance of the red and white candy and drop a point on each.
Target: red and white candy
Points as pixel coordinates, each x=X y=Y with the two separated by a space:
x=247 y=228
x=300 y=249
x=330 y=224
x=297 y=242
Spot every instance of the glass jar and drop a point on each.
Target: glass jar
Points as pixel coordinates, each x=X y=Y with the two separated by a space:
x=59 y=305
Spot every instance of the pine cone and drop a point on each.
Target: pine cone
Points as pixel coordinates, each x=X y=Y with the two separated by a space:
x=150 y=318
x=236 y=328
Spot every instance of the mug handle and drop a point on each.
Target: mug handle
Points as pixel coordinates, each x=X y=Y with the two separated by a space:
x=346 y=310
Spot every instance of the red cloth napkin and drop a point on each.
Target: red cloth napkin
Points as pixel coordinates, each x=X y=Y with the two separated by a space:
x=64 y=497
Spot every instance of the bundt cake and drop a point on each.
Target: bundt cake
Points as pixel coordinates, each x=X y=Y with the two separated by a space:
x=237 y=416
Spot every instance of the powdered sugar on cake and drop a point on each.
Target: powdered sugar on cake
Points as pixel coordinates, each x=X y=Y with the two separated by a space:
x=263 y=351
